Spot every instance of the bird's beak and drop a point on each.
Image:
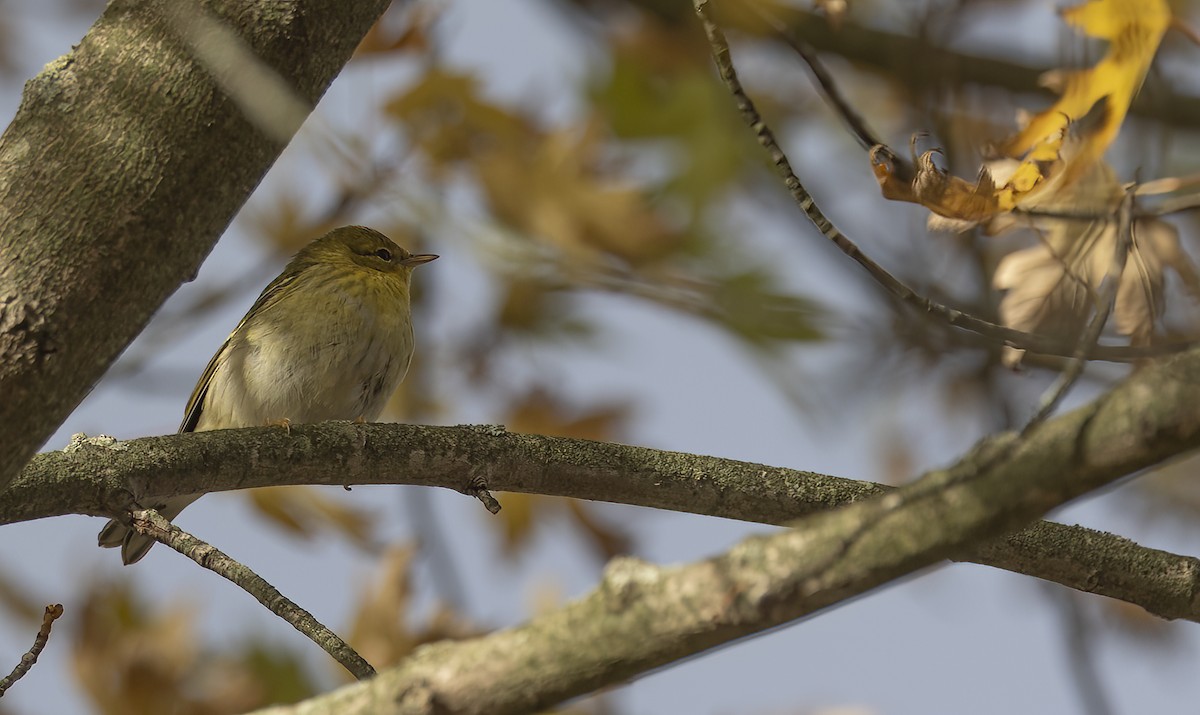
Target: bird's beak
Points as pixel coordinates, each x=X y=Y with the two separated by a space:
x=418 y=259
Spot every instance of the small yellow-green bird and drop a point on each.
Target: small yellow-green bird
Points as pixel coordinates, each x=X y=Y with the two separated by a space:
x=329 y=339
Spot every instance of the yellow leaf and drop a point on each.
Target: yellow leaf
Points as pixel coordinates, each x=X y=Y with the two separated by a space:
x=1134 y=29
x=1061 y=144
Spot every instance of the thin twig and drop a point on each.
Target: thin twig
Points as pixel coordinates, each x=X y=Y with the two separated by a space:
x=858 y=126
x=52 y=613
x=1105 y=302
x=150 y=523
x=766 y=138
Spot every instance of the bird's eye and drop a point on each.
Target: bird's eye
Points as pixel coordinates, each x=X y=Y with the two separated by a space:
x=384 y=254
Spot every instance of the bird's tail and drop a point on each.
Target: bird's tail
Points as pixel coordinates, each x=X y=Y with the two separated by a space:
x=134 y=545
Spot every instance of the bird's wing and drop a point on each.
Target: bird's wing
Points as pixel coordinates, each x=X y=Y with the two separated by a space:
x=278 y=288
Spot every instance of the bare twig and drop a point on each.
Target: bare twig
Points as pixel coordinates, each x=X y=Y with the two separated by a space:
x=150 y=523
x=858 y=126
x=39 y=642
x=766 y=138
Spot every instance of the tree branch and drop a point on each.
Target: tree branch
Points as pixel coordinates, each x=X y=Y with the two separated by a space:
x=105 y=210
x=101 y=477
x=642 y=617
x=150 y=523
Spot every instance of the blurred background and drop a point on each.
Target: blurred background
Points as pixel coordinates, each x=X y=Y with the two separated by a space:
x=619 y=262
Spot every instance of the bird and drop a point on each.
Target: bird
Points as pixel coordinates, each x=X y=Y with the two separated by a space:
x=330 y=338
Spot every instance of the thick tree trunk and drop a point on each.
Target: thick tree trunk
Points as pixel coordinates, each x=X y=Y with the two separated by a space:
x=124 y=164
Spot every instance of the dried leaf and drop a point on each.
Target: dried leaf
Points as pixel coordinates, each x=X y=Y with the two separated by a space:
x=1052 y=287
x=1056 y=147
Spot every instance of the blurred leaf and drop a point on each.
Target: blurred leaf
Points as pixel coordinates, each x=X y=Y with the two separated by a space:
x=409 y=33
x=1132 y=620
x=285 y=226
x=750 y=305
x=132 y=660
x=539 y=412
x=835 y=10
x=516 y=519
x=659 y=88
x=305 y=511
x=128 y=660
x=608 y=540
x=556 y=186
x=445 y=116
x=380 y=631
x=527 y=305
x=274 y=675
x=560 y=192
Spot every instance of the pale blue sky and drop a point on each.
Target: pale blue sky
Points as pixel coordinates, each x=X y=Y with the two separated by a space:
x=962 y=639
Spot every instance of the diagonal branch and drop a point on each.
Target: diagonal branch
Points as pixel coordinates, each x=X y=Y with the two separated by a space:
x=643 y=617
x=150 y=523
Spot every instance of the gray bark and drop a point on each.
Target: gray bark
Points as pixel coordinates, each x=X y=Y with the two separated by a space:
x=124 y=164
